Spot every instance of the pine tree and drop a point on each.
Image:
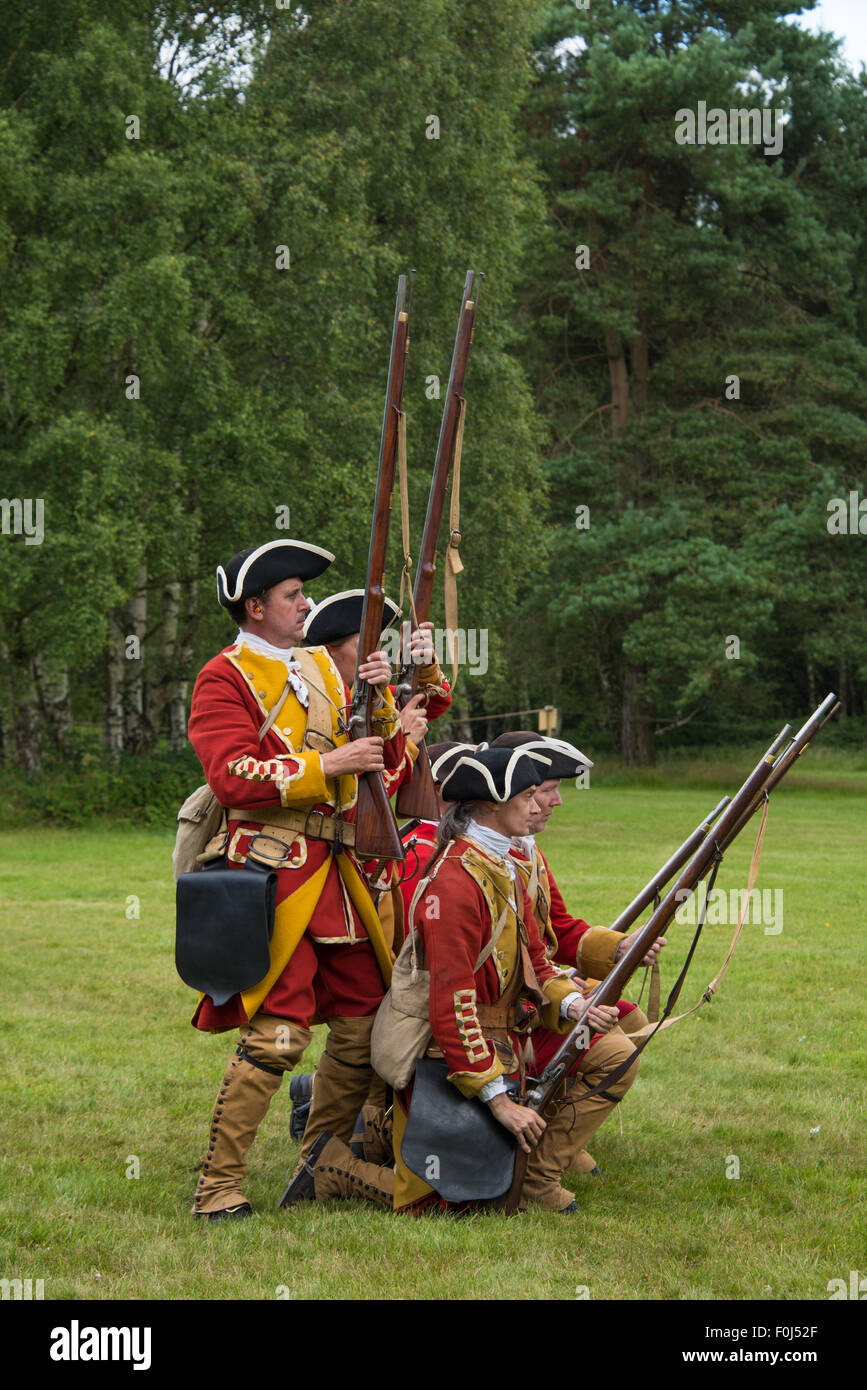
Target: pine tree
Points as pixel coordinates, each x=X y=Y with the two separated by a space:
x=700 y=310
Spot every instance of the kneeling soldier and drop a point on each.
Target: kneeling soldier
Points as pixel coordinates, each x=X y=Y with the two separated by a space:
x=491 y=983
x=570 y=941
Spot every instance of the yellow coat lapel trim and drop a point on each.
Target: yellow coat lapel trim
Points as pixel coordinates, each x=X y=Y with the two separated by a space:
x=496 y=885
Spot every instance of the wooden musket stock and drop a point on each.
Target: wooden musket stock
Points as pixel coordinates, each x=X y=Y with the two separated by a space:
x=417 y=798
x=376 y=832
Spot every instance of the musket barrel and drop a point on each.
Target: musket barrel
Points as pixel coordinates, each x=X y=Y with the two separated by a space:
x=417 y=797
x=798 y=744
x=609 y=990
x=426 y=567
x=766 y=775
x=631 y=913
x=374 y=594
x=376 y=830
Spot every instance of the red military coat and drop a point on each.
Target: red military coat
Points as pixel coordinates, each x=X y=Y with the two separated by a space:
x=320 y=894
x=565 y=936
x=455 y=916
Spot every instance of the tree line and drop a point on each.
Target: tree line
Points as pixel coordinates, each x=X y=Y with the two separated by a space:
x=202 y=219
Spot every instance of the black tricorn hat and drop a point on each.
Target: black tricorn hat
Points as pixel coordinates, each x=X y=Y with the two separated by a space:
x=260 y=566
x=340 y=616
x=493 y=774
x=566 y=759
x=442 y=756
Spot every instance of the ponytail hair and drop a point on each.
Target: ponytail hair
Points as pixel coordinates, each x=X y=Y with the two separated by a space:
x=452 y=825
x=456 y=820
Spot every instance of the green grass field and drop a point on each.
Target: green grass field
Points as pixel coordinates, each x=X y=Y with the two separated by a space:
x=100 y=1068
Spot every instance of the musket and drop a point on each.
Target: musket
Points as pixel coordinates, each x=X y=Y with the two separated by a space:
x=376 y=832
x=671 y=866
x=798 y=745
x=783 y=763
x=417 y=796
x=767 y=773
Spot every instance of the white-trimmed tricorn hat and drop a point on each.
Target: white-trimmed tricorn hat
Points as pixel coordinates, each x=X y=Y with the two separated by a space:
x=566 y=759
x=492 y=774
x=340 y=616
x=260 y=566
x=444 y=755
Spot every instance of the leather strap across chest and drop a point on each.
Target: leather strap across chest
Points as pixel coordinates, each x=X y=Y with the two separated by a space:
x=320 y=707
x=315 y=825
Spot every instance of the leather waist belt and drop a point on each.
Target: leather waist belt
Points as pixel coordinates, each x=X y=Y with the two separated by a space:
x=316 y=825
x=495 y=1016
x=496 y=1019
x=510 y=1010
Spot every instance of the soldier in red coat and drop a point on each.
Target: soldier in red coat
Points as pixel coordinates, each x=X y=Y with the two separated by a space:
x=334 y=624
x=492 y=986
x=268 y=725
x=590 y=952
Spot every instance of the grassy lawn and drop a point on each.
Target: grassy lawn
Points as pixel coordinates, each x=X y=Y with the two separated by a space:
x=101 y=1068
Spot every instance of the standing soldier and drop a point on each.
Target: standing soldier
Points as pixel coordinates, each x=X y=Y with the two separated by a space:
x=335 y=624
x=267 y=724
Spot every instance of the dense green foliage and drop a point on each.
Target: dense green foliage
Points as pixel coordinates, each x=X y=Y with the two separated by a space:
x=202 y=220
x=87 y=783
x=197 y=321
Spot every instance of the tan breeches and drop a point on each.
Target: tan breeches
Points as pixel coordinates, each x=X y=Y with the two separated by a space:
x=572 y=1121
x=342 y=1081
x=584 y=1162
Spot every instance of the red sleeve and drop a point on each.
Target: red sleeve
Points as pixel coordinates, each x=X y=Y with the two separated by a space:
x=425 y=849
x=394 y=756
x=224 y=727
x=454 y=922
x=436 y=690
x=567 y=929
x=437 y=704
